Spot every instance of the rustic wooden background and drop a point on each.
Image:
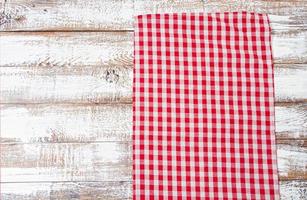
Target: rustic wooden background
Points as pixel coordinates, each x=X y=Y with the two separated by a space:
x=66 y=86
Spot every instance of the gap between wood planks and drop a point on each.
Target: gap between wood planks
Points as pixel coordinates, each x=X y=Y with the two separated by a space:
x=277 y=103
x=107 y=181
x=105 y=31
x=279 y=140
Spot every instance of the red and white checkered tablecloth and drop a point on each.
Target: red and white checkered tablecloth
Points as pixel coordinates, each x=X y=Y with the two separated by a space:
x=203 y=107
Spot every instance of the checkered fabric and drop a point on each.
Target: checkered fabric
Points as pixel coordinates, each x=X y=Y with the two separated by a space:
x=203 y=107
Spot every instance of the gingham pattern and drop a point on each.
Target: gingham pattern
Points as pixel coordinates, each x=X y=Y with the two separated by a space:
x=203 y=107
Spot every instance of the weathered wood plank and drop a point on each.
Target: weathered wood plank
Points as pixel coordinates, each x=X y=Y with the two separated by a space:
x=110 y=84
x=71 y=49
x=284 y=15
x=78 y=67
x=66 y=49
x=107 y=161
x=288 y=48
x=66 y=15
x=294 y=190
x=67 y=190
x=290 y=83
x=290 y=121
x=292 y=159
x=79 y=15
x=66 y=85
x=66 y=123
x=107 y=190
x=99 y=123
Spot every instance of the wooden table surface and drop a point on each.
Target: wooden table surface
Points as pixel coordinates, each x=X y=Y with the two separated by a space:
x=66 y=88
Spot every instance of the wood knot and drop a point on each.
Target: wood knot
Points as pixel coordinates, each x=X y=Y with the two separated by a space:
x=111 y=76
x=5 y=18
x=9 y=15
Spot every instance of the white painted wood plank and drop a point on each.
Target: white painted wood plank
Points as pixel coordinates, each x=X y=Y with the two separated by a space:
x=107 y=161
x=292 y=159
x=66 y=49
x=290 y=82
x=66 y=15
x=66 y=123
x=293 y=190
x=107 y=190
x=291 y=121
x=99 y=123
x=110 y=84
x=67 y=190
x=103 y=15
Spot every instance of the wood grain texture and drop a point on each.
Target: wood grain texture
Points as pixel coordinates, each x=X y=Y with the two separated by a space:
x=80 y=15
x=66 y=85
x=293 y=190
x=66 y=15
x=99 y=123
x=66 y=123
x=288 y=48
x=67 y=190
x=292 y=159
x=284 y=15
x=290 y=82
x=291 y=121
x=66 y=49
x=72 y=49
x=111 y=84
x=107 y=190
x=108 y=161
x=63 y=140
